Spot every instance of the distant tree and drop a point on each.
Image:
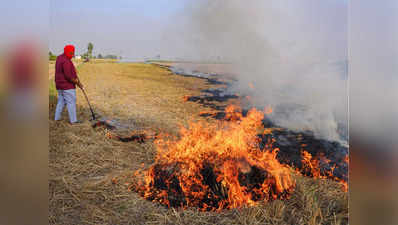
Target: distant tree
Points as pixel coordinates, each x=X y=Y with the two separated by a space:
x=51 y=56
x=90 y=48
x=85 y=57
x=110 y=56
x=100 y=56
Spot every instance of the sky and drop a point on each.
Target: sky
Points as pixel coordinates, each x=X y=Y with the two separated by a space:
x=130 y=28
x=138 y=29
x=21 y=18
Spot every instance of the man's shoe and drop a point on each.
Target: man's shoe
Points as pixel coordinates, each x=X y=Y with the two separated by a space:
x=77 y=122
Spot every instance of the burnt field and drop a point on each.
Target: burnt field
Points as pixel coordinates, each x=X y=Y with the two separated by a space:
x=332 y=155
x=95 y=168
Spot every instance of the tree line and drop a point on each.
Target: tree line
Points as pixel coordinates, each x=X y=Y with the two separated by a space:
x=88 y=54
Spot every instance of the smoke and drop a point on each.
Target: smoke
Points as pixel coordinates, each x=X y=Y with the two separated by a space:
x=294 y=53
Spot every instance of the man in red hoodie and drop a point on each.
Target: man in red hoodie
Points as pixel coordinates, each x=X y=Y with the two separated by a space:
x=65 y=81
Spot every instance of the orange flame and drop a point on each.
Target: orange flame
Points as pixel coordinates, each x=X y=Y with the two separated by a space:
x=268 y=110
x=109 y=135
x=216 y=166
x=312 y=167
x=207 y=113
x=186 y=98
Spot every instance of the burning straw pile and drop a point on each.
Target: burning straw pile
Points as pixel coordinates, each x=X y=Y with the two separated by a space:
x=216 y=166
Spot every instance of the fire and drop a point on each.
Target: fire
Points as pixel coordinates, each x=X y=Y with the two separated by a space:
x=268 y=110
x=186 y=98
x=109 y=135
x=233 y=113
x=202 y=113
x=312 y=166
x=215 y=166
x=347 y=159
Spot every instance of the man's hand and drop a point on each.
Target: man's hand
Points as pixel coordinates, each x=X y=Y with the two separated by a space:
x=80 y=85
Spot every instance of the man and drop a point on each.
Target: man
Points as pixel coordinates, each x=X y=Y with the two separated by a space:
x=65 y=81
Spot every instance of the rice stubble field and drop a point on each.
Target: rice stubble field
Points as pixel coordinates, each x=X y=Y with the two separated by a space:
x=89 y=172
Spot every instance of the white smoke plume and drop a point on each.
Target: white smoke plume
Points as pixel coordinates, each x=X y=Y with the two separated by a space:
x=294 y=53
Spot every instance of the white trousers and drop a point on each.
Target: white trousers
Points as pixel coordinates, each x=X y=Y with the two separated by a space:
x=68 y=98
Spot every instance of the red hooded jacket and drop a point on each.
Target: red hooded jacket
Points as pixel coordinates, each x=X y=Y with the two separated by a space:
x=65 y=70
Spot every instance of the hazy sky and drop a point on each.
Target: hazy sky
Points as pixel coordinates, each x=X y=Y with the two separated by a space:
x=131 y=28
x=140 y=28
x=20 y=18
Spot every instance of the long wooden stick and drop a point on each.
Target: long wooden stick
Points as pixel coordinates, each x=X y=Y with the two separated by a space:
x=89 y=105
